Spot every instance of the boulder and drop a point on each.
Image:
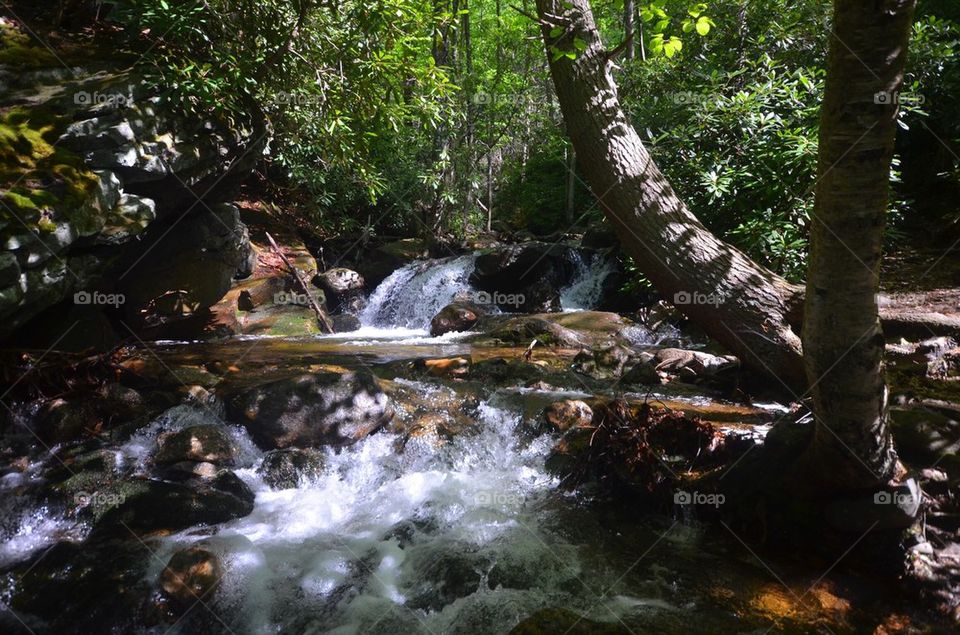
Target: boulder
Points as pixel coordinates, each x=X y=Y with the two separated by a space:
x=345 y=323
x=379 y=263
x=151 y=505
x=206 y=443
x=458 y=316
x=520 y=331
x=291 y=467
x=339 y=281
x=343 y=289
x=529 y=277
x=560 y=416
x=325 y=408
x=191 y=576
x=165 y=280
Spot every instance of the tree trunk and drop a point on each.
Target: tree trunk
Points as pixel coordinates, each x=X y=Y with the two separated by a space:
x=842 y=339
x=628 y=12
x=571 y=161
x=738 y=302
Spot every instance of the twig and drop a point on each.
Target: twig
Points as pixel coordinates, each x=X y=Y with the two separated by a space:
x=321 y=316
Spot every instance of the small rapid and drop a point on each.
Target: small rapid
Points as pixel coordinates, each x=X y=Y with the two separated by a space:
x=410 y=296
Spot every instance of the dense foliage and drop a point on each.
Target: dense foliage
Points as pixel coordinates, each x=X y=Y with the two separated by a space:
x=413 y=117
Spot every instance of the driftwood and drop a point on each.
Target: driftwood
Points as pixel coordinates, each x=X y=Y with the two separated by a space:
x=321 y=314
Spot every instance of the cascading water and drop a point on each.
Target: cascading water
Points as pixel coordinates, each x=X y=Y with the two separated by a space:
x=413 y=294
x=586 y=287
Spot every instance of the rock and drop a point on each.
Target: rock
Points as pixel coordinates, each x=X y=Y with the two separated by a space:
x=604 y=363
x=345 y=323
x=458 y=316
x=191 y=576
x=520 y=331
x=600 y=236
x=61 y=420
x=202 y=443
x=448 y=367
x=343 y=288
x=151 y=505
x=558 y=620
x=643 y=374
x=169 y=280
x=503 y=372
x=533 y=272
x=262 y=292
x=924 y=435
x=66 y=585
x=291 y=467
x=560 y=416
x=338 y=282
x=891 y=508
x=326 y=408
x=379 y=263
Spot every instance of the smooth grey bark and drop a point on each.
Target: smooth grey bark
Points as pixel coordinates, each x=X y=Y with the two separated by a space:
x=738 y=302
x=842 y=339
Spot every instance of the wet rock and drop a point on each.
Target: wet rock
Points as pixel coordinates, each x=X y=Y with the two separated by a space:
x=345 y=323
x=151 y=505
x=62 y=420
x=521 y=331
x=80 y=587
x=560 y=416
x=504 y=372
x=185 y=470
x=202 y=443
x=291 y=467
x=448 y=367
x=558 y=620
x=604 y=363
x=532 y=272
x=191 y=575
x=326 y=408
x=458 y=316
x=379 y=263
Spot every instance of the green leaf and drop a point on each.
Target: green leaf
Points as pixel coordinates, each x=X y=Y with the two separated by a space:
x=703 y=25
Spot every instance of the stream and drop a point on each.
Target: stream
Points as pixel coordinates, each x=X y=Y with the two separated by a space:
x=420 y=534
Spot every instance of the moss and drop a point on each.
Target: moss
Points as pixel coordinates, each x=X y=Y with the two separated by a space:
x=17 y=50
x=43 y=184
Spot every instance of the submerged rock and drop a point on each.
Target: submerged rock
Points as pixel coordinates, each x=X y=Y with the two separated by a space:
x=290 y=467
x=325 y=408
x=557 y=620
x=191 y=575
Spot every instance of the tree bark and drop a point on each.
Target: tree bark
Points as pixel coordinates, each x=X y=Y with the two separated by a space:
x=842 y=339
x=738 y=302
x=629 y=10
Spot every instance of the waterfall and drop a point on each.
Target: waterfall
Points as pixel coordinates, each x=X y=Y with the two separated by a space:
x=414 y=293
x=586 y=287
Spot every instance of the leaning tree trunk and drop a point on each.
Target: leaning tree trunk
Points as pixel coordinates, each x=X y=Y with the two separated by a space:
x=738 y=302
x=842 y=339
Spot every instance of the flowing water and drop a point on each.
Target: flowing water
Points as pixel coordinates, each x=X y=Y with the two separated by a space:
x=420 y=535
